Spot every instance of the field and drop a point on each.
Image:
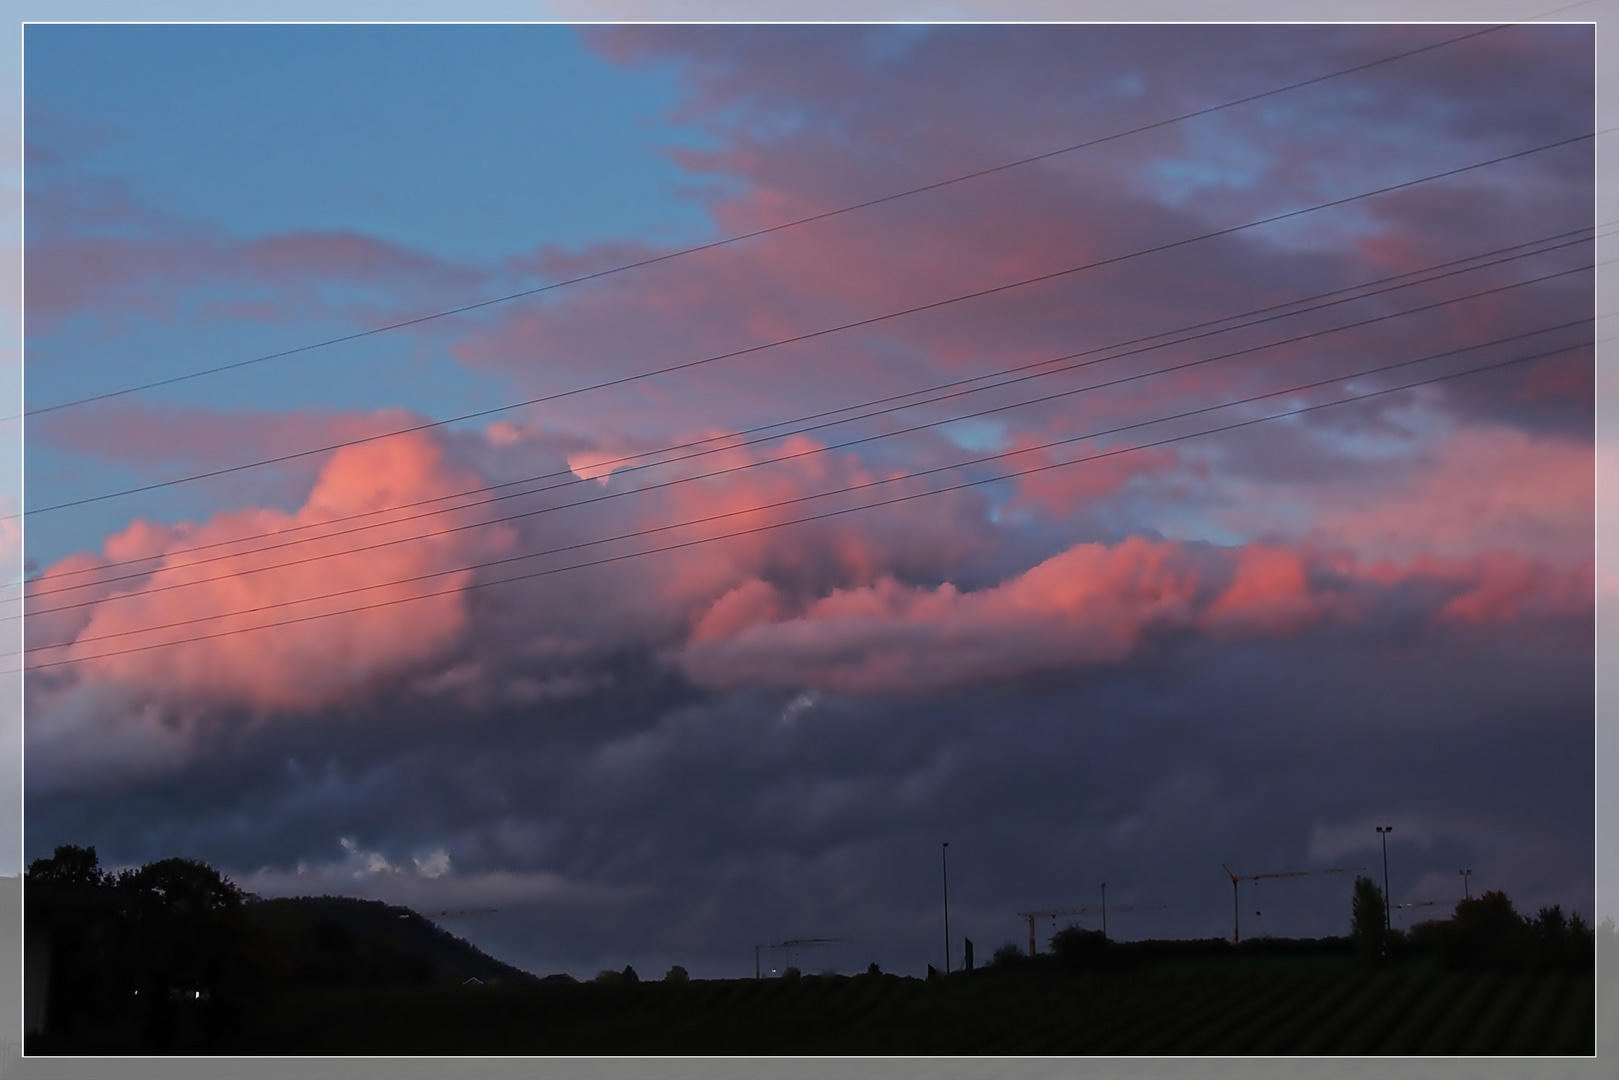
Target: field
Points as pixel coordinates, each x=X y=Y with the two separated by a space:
x=1286 y=1006
x=335 y=976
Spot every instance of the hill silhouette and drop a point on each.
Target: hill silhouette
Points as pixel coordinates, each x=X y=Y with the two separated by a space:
x=329 y=940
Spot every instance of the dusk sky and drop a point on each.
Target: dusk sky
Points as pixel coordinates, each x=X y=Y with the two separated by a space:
x=763 y=569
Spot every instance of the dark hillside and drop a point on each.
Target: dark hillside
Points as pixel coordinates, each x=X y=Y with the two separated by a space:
x=336 y=940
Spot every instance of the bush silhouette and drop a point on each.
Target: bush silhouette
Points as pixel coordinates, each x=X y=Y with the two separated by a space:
x=1008 y=955
x=1076 y=949
x=677 y=974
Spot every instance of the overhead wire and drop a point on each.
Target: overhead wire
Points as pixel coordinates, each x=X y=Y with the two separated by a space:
x=391 y=602
x=882 y=435
x=809 y=335
x=752 y=234
x=336 y=594
x=730 y=470
x=618 y=464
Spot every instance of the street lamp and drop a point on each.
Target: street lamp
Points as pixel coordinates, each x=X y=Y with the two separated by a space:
x=1104 y=911
x=944 y=865
x=1383 y=831
x=1467 y=877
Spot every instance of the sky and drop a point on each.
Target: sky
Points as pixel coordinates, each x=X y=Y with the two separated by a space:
x=896 y=526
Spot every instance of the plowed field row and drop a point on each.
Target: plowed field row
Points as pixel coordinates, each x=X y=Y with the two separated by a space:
x=1301 y=1010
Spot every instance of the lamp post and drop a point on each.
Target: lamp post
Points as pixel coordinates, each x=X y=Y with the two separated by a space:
x=1104 y=911
x=944 y=865
x=1383 y=831
x=1467 y=891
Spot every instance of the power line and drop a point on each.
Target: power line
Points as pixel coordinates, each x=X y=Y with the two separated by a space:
x=821 y=216
x=802 y=419
x=836 y=513
x=689 y=364
x=802 y=499
x=1056 y=395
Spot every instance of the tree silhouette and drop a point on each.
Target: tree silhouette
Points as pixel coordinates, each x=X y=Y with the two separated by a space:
x=1559 y=941
x=181 y=886
x=70 y=900
x=70 y=865
x=1488 y=933
x=166 y=950
x=1366 y=917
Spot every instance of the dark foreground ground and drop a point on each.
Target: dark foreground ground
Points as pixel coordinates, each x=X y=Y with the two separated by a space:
x=1237 y=1006
x=333 y=976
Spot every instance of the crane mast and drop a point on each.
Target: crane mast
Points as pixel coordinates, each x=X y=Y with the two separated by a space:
x=1054 y=912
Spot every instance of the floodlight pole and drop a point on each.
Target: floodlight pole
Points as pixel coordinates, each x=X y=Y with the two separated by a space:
x=1467 y=891
x=944 y=865
x=1383 y=831
x=1104 y=911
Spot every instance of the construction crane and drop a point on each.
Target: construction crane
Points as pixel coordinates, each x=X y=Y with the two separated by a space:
x=790 y=944
x=1236 y=921
x=1053 y=913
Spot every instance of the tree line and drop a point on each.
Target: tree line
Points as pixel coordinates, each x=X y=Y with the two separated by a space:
x=174 y=957
x=1486 y=933
x=163 y=953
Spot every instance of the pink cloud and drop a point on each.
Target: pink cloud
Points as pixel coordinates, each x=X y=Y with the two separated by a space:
x=130 y=431
x=1066 y=490
x=796 y=131
x=1090 y=605
x=156 y=270
x=651 y=601
x=806 y=123
x=852 y=603
x=1095 y=606
x=296 y=665
x=1483 y=487
x=752 y=602
x=657 y=599
x=1506 y=588
x=1271 y=594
